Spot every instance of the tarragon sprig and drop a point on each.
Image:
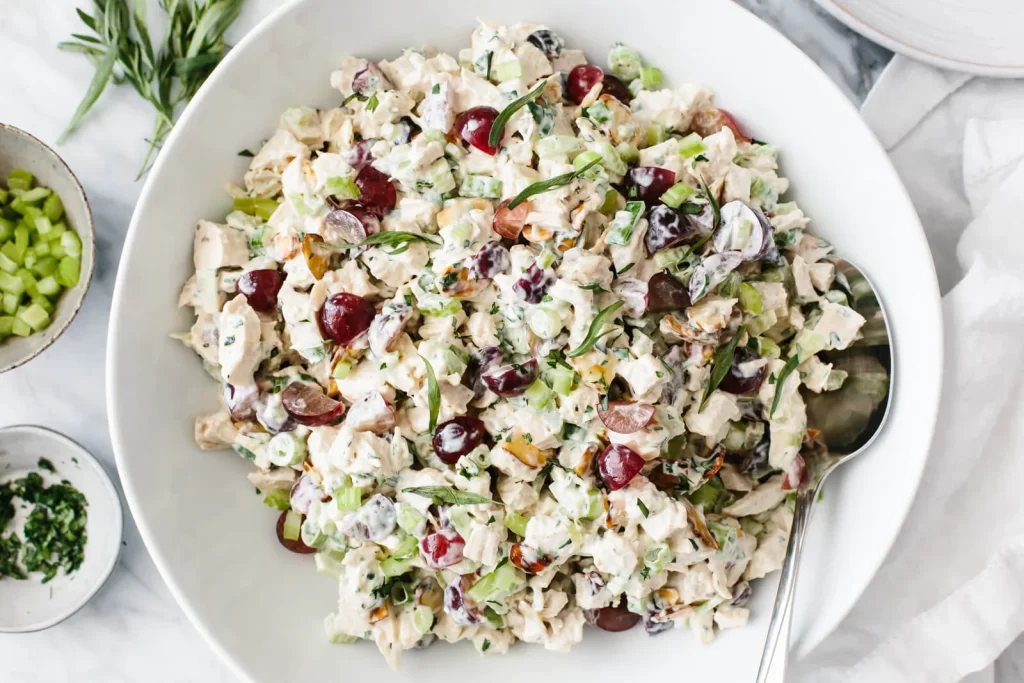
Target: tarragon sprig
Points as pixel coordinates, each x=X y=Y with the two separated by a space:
x=168 y=76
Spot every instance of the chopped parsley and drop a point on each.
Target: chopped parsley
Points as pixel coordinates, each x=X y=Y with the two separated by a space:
x=54 y=536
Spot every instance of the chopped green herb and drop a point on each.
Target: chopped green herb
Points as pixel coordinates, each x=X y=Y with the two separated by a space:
x=780 y=382
x=446 y=495
x=433 y=395
x=498 y=126
x=594 y=334
x=550 y=184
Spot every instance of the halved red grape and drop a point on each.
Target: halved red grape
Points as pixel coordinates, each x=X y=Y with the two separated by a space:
x=533 y=285
x=376 y=191
x=547 y=41
x=310 y=406
x=370 y=79
x=666 y=294
x=462 y=611
x=241 y=400
x=626 y=417
x=349 y=225
x=457 y=437
x=492 y=259
x=273 y=419
x=481 y=360
x=648 y=183
x=614 y=619
x=511 y=380
x=711 y=121
x=737 y=381
x=509 y=223
x=296 y=546
x=260 y=288
x=304 y=492
x=582 y=80
x=358 y=155
x=617 y=89
x=344 y=317
x=618 y=464
x=474 y=126
x=443 y=548
x=668 y=228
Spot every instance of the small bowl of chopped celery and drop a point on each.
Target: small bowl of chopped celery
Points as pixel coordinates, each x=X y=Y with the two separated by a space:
x=46 y=247
x=61 y=526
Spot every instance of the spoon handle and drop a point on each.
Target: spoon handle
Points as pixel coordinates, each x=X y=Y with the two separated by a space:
x=776 y=646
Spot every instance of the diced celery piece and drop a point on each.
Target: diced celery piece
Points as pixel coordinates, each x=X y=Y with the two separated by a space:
x=328 y=561
x=539 y=395
x=655 y=133
x=21 y=328
x=48 y=286
x=480 y=186
x=4 y=196
x=411 y=520
x=515 y=523
x=348 y=498
x=342 y=187
x=506 y=71
x=29 y=280
x=554 y=145
x=407 y=548
x=68 y=271
x=30 y=259
x=676 y=195
x=72 y=244
x=423 y=618
x=45 y=303
x=29 y=214
x=6 y=326
x=279 y=499
x=58 y=230
x=9 y=303
x=499 y=582
x=625 y=62
x=36 y=194
x=44 y=266
x=57 y=250
x=762 y=322
x=769 y=349
x=392 y=567
x=254 y=206
x=706 y=495
x=562 y=380
x=35 y=316
x=611 y=202
x=585 y=159
x=21 y=237
x=292 y=526
x=650 y=76
x=750 y=299
x=311 y=533
x=628 y=152
x=40 y=249
x=599 y=113
x=341 y=370
x=19 y=179
x=6 y=230
x=7 y=264
x=610 y=158
x=692 y=145
x=596 y=508
x=13 y=252
x=53 y=208
x=43 y=226
x=285 y=449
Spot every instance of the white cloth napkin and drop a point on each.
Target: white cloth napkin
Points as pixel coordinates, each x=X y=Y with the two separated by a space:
x=950 y=597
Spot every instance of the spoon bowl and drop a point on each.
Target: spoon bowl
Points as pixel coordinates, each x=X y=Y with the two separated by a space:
x=845 y=423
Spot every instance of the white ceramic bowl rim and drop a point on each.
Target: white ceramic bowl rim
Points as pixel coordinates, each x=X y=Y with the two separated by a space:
x=99 y=474
x=87 y=233
x=928 y=299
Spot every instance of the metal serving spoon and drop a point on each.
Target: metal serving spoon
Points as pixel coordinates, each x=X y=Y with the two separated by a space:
x=849 y=419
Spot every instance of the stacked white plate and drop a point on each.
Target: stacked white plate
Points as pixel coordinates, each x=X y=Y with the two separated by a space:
x=977 y=36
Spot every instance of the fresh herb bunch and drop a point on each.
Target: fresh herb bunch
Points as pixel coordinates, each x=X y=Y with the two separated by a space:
x=167 y=76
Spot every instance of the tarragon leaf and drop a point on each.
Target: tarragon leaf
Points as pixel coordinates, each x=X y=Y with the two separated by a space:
x=780 y=382
x=722 y=363
x=594 y=333
x=433 y=395
x=446 y=495
x=550 y=184
x=498 y=126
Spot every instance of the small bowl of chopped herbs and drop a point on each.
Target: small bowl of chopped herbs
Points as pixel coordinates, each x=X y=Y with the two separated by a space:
x=60 y=528
x=47 y=247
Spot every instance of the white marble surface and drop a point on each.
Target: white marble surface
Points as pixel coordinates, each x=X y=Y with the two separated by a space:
x=133 y=630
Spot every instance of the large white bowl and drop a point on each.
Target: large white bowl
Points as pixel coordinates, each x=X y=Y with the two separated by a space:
x=213 y=540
